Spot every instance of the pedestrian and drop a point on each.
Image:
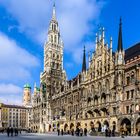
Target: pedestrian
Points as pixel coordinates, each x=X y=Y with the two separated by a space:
x=20 y=131
x=113 y=133
x=11 y=131
x=68 y=132
x=85 y=131
x=58 y=131
x=139 y=133
x=109 y=132
x=81 y=132
x=77 y=131
x=16 y=132
x=62 y=132
x=72 y=132
x=106 y=132
x=8 y=131
x=122 y=133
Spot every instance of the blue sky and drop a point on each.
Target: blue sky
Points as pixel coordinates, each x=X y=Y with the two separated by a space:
x=23 y=31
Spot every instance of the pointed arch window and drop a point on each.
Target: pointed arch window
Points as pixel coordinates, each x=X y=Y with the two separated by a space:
x=54 y=27
x=55 y=38
x=51 y=38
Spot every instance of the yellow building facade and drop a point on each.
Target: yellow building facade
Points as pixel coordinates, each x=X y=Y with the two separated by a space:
x=13 y=116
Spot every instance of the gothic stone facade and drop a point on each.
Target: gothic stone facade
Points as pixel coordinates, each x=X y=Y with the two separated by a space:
x=107 y=94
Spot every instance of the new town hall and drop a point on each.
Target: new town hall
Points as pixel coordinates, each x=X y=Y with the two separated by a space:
x=106 y=94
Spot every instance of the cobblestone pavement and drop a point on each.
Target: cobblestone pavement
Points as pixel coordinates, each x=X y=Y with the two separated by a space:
x=65 y=137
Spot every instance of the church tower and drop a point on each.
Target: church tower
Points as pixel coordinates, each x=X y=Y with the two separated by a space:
x=27 y=95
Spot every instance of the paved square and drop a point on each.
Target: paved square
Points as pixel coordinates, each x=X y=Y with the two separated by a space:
x=55 y=137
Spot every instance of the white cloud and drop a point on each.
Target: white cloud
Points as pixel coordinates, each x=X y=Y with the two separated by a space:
x=10 y=89
x=15 y=62
x=74 y=18
x=10 y=94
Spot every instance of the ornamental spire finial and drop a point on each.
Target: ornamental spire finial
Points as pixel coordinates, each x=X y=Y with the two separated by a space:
x=120 y=44
x=54 y=12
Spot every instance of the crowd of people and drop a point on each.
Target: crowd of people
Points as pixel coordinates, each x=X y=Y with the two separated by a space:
x=77 y=132
x=12 y=132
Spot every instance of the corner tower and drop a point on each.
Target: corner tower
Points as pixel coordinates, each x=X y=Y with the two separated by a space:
x=119 y=67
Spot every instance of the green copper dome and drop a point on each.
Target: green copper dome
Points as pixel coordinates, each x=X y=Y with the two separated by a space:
x=27 y=86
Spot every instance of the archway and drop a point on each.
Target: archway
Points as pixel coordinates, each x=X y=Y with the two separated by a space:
x=78 y=124
x=103 y=98
x=105 y=125
x=92 y=126
x=71 y=126
x=50 y=127
x=65 y=127
x=114 y=125
x=95 y=100
x=126 y=125
x=90 y=113
x=138 y=125
x=98 y=125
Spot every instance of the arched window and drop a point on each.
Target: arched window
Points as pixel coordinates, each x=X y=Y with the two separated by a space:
x=92 y=89
x=51 y=38
x=99 y=87
x=55 y=38
x=54 y=27
x=53 y=55
x=132 y=77
x=57 y=66
x=107 y=85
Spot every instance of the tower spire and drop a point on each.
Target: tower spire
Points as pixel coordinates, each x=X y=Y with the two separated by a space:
x=120 y=44
x=54 y=12
x=84 y=61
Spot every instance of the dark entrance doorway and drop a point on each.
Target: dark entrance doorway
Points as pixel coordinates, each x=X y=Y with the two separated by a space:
x=126 y=126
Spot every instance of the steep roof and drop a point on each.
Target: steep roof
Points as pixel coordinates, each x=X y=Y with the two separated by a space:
x=120 y=44
x=84 y=61
x=132 y=52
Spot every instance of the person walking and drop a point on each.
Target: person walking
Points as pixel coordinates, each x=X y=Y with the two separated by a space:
x=113 y=133
x=62 y=132
x=58 y=131
x=85 y=131
x=16 y=132
x=109 y=132
x=81 y=132
x=106 y=132
x=11 y=132
x=139 y=133
x=8 y=131
x=72 y=132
